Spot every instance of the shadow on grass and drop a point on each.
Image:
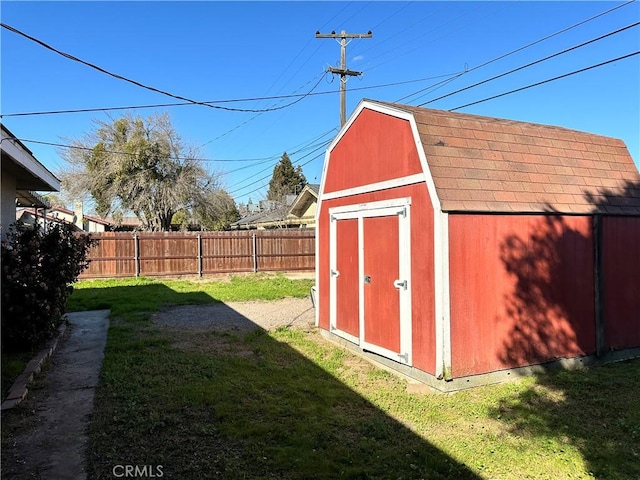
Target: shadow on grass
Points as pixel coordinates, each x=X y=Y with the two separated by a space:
x=552 y=310
x=234 y=401
x=595 y=411
x=142 y=295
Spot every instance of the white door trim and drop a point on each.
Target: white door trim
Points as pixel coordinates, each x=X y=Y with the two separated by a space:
x=442 y=299
x=399 y=207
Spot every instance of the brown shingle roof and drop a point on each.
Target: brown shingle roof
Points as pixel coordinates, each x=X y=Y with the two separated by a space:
x=489 y=164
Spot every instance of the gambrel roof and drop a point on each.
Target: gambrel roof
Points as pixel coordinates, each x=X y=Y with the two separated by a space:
x=485 y=164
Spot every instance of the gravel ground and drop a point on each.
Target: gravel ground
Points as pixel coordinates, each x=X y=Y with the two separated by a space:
x=239 y=316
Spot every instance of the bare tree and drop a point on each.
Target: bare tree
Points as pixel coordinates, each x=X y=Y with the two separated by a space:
x=217 y=211
x=138 y=165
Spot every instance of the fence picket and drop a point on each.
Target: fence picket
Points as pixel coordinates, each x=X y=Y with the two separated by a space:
x=126 y=254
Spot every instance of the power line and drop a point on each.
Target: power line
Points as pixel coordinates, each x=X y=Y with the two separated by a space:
x=266 y=184
x=567 y=50
x=233 y=129
x=320 y=146
x=566 y=29
x=180 y=104
x=142 y=85
x=546 y=81
x=271 y=159
x=258 y=160
x=301 y=165
x=437 y=85
x=406 y=51
x=78 y=147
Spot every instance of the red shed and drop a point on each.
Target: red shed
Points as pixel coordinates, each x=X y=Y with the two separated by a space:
x=461 y=249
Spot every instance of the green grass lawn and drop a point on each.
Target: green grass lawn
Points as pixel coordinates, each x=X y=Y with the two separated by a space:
x=290 y=405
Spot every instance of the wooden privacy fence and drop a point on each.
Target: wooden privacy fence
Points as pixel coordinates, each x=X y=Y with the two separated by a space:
x=126 y=254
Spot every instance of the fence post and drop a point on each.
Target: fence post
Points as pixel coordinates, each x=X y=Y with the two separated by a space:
x=136 y=253
x=199 y=255
x=255 y=253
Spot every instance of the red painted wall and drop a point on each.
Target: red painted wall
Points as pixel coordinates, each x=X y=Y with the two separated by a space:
x=521 y=290
x=376 y=147
x=621 y=274
x=423 y=306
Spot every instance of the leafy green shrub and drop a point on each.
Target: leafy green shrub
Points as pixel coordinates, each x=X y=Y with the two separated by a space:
x=38 y=270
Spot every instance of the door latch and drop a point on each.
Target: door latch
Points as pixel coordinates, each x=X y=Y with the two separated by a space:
x=367 y=279
x=400 y=284
x=335 y=273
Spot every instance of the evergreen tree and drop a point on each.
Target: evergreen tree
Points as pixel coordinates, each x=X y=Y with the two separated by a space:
x=286 y=180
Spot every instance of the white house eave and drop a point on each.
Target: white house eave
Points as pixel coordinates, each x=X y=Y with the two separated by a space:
x=27 y=198
x=25 y=159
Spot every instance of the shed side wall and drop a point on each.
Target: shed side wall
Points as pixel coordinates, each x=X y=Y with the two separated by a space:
x=621 y=272
x=522 y=290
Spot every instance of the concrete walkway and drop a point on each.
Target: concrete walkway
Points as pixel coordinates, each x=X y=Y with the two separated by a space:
x=53 y=443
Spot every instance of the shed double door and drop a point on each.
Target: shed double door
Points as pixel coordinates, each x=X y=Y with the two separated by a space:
x=370 y=282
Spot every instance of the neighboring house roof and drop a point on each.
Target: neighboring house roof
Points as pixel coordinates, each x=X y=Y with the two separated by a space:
x=129 y=222
x=57 y=208
x=24 y=212
x=51 y=215
x=488 y=164
x=268 y=218
x=308 y=195
x=28 y=214
x=288 y=214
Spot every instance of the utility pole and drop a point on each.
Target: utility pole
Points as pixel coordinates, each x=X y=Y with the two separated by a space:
x=343 y=71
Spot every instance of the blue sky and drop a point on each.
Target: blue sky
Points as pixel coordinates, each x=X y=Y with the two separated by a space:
x=222 y=51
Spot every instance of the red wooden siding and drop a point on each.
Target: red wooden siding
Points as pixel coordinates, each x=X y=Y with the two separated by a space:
x=347 y=306
x=521 y=290
x=422 y=268
x=621 y=274
x=363 y=156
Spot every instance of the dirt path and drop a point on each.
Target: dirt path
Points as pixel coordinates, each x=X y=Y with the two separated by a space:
x=236 y=316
